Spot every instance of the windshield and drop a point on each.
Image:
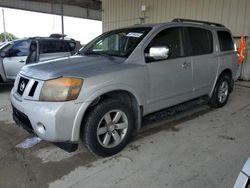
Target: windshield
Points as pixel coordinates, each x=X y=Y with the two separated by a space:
x=5 y=45
x=119 y=43
x=2 y=44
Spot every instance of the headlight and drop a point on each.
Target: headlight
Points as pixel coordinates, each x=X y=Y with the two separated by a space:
x=61 y=89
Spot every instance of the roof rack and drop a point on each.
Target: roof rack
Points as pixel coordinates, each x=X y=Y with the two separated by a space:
x=37 y=37
x=197 y=21
x=53 y=37
x=57 y=36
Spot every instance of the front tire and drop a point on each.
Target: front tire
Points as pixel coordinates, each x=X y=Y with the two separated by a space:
x=221 y=92
x=108 y=127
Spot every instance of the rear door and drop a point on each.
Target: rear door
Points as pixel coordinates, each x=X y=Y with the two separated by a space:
x=204 y=59
x=170 y=80
x=16 y=58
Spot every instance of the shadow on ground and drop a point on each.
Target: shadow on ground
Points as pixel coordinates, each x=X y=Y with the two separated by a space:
x=5 y=87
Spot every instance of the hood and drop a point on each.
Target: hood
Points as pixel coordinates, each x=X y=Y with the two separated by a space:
x=74 y=66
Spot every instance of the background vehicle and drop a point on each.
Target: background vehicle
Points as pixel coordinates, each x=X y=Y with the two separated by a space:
x=100 y=95
x=3 y=44
x=243 y=180
x=16 y=54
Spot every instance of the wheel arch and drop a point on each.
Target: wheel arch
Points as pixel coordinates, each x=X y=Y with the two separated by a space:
x=122 y=94
x=226 y=71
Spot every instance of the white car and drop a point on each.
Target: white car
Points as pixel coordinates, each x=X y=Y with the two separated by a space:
x=16 y=54
x=243 y=180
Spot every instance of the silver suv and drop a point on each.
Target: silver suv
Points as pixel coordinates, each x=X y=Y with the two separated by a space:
x=100 y=95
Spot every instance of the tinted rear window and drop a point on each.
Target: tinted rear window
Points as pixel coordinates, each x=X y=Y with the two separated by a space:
x=52 y=47
x=71 y=45
x=201 y=40
x=225 y=40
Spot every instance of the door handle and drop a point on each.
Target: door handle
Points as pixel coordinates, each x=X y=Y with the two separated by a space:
x=21 y=61
x=186 y=65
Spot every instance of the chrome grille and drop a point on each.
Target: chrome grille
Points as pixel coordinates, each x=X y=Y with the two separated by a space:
x=23 y=82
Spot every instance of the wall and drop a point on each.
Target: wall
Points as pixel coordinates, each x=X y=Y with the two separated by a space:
x=234 y=14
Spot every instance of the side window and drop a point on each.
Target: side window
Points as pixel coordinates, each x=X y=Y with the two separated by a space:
x=225 y=40
x=60 y=46
x=19 y=49
x=201 y=41
x=72 y=46
x=170 y=38
x=52 y=47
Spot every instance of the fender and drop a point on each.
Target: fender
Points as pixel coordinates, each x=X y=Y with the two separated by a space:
x=76 y=130
x=216 y=78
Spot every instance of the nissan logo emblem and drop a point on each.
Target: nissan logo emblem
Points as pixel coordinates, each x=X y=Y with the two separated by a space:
x=22 y=86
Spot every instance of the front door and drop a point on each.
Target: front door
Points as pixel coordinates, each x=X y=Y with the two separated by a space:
x=16 y=58
x=170 y=80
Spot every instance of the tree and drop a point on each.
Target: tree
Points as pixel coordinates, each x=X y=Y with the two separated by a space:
x=9 y=37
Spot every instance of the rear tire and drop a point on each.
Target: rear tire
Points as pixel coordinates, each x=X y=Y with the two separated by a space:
x=107 y=127
x=221 y=91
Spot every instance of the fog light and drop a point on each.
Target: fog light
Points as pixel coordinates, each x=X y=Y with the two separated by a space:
x=41 y=128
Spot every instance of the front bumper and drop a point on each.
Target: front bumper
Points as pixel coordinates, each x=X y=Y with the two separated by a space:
x=22 y=120
x=51 y=121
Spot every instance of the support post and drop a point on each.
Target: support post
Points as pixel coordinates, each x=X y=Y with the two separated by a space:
x=62 y=18
x=4 y=29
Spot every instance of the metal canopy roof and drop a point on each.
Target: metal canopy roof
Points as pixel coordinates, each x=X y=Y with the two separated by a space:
x=89 y=9
x=91 y=4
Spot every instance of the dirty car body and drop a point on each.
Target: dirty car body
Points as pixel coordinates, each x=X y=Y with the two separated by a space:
x=100 y=95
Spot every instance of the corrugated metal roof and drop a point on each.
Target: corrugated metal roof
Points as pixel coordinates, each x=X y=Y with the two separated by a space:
x=234 y=14
x=92 y=4
x=89 y=9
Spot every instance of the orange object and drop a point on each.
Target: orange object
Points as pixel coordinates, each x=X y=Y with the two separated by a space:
x=242 y=50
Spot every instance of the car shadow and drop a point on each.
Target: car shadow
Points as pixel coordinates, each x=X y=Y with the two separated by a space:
x=4 y=87
x=169 y=118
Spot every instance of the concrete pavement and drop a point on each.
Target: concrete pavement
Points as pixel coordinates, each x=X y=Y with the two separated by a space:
x=200 y=147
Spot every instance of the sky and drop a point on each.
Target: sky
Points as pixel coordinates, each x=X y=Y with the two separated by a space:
x=29 y=24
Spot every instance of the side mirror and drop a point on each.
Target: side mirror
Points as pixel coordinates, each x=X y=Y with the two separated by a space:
x=159 y=52
x=3 y=54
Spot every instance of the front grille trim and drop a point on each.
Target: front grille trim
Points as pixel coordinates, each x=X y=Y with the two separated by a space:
x=33 y=89
x=22 y=85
